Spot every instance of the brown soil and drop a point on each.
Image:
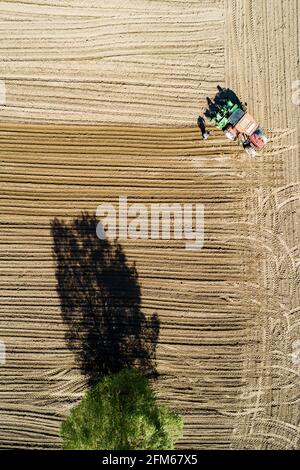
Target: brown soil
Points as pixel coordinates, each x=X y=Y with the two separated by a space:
x=229 y=313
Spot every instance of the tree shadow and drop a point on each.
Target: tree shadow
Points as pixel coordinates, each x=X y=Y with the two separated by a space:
x=100 y=302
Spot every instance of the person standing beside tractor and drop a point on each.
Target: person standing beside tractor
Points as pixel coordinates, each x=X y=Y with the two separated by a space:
x=201 y=124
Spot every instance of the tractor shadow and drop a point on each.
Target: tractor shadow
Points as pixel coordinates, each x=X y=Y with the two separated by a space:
x=223 y=95
x=100 y=302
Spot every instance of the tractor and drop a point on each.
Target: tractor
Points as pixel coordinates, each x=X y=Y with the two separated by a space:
x=236 y=123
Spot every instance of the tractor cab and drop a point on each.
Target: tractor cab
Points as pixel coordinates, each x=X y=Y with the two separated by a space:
x=258 y=138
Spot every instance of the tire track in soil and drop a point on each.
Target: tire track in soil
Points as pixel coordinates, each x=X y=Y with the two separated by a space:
x=200 y=297
x=269 y=412
x=142 y=62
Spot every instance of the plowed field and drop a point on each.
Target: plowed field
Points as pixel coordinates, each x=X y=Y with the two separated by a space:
x=102 y=101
